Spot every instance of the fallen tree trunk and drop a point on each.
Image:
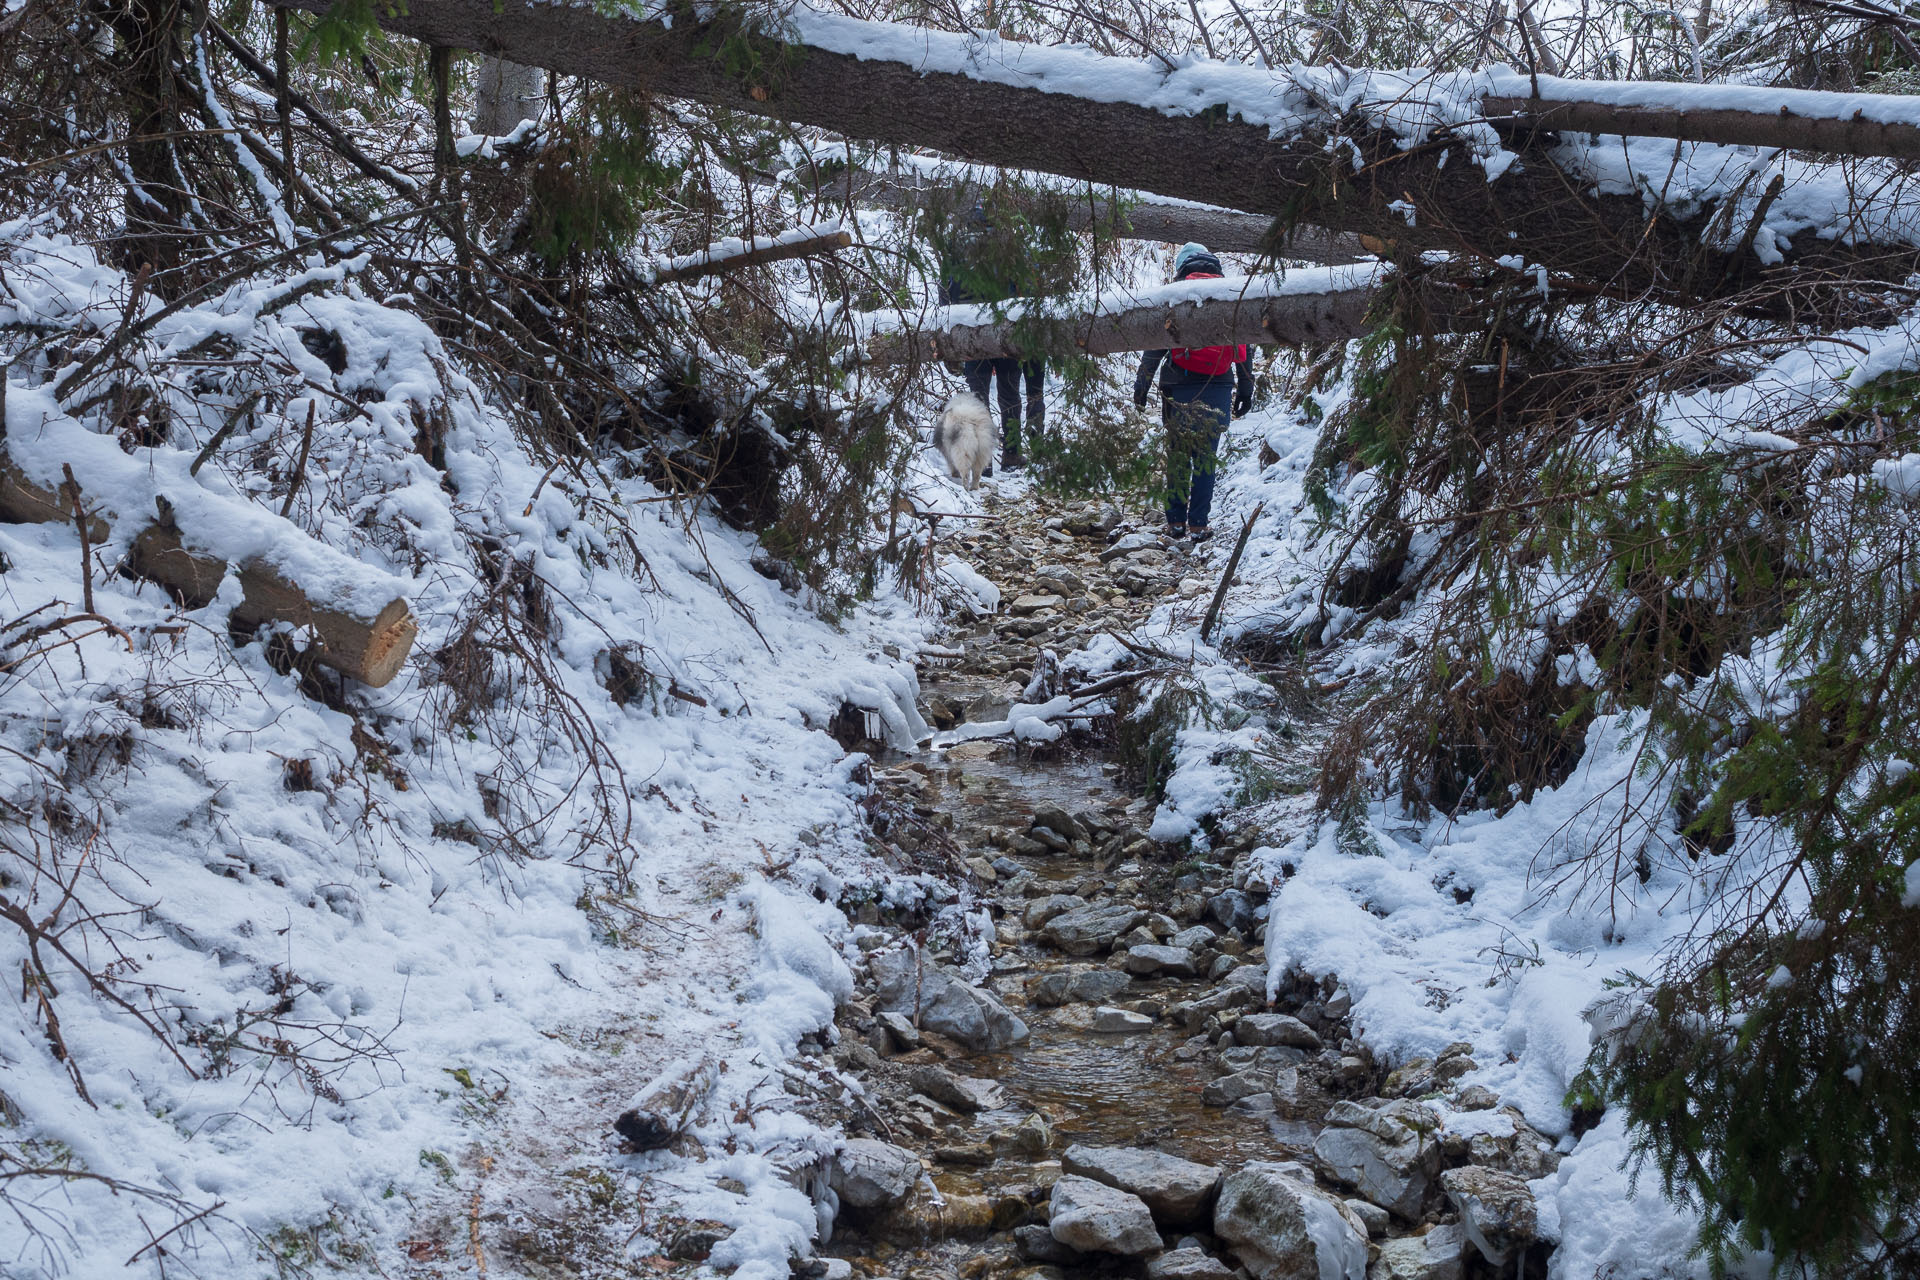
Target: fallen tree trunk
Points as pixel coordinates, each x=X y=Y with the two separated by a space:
x=1222 y=230
x=1230 y=136
x=1317 y=304
x=371 y=651
x=663 y=1108
x=732 y=254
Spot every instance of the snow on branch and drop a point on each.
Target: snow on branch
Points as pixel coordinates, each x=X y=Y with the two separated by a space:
x=733 y=253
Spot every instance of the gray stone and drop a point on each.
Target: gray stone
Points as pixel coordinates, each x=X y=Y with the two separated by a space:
x=1073 y=986
x=1433 y=1256
x=870 y=1174
x=962 y=1093
x=1041 y=910
x=1275 y=1029
x=1060 y=580
x=1096 y=1218
x=1179 y=1192
x=1090 y=929
x=1283 y=1228
x=1193 y=937
x=1476 y=1097
x=1024 y=605
x=1496 y=1210
x=1152 y=961
x=901 y=1028
x=1109 y=1019
x=1376 y=1218
x=1189 y=1263
x=1221 y=967
x=1050 y=839
x=1227 y=1090
x=942 y=1001
x=1056 y=817
x=1036 y=1244
x=1388 y=1154
x=1232 y=909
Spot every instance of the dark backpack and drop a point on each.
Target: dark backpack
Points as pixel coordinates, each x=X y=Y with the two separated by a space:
x=1209 y=362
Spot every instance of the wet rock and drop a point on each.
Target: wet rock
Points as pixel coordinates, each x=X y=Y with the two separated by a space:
x=1036 y=1244
x=1030 y=1138
x=1188 y=1264
x=1227 y=1090
x=1275 y=1029
x=1095 y=1218
x=962 y=1093
x=1388 y=1154
x=870 y=1174
x=1073 y=986
x=1052 y=840
x=1054 y=817
x=1091 y=929
x=924 y=1216
x=971 y=1154
x=1433 y=1256
x=1109 y=1019
x=1154 y=961
x=1179 y=1192
x=1496 y=1209
x=944 y=1002
x=1041 y=910
x=1282 y=1228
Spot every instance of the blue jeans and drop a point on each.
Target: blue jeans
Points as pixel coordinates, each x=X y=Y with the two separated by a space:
x=1195 y=415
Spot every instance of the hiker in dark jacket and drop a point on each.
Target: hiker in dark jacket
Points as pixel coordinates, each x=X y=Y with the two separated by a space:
x=1200 y=388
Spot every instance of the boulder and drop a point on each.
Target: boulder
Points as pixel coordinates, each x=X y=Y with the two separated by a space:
x=1090 y=929
x=1188 y=1264
x=1433 y=1256
x=1232 y=910
x=1108 y=1019
x=901 y=1028
x=1388 y=1154
x=1227 y=1090
x=941 y=1001
x=1283 y=1228
x=1077 y=986
x=1056 y=818
x=1275 y=1029
x=1496 y=1210
x=962 y=1093
x=1096 y=1218
x=1041 y=910
x=870 y=1174
x=1179 y=1192
x=1153 y=961
x=1193 y=937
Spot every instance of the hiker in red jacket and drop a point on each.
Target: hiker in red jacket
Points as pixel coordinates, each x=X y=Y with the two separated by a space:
x=1200 y=388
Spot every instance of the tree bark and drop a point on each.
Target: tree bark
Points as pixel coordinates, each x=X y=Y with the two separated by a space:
x=372 y=651
x=1304 y=306
x=508 y=92
x=731 y=255
x=149 y=52
x=1435 y=196
x=1222 y=230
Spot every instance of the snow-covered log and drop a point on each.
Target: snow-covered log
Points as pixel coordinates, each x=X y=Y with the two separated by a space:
x=734 y=253
x=369 y=644
x=1317 y=304
x=663 y=1108
x=1138 y=218
x=1848 y=124
x=1407 y=157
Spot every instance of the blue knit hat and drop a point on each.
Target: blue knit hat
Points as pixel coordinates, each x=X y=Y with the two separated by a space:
x=1188 y=252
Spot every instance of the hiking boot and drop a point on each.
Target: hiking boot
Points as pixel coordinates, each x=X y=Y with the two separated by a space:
x=1011 y=459
x=1199 y=533
x=1176 y=531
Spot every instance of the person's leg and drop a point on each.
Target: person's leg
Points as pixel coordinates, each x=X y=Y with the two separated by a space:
x=1035 y=372
x=1006 y=378
x=1212 y=411
x=977 y=373
x=1173 y=419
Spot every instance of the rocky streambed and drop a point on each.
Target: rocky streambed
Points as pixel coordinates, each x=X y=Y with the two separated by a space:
x=1120 y=1091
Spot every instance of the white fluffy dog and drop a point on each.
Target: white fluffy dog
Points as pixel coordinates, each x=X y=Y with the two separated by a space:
x=966 y=438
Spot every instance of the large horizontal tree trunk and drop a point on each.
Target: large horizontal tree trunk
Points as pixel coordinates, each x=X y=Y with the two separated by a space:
x=1236 y=137
x=733 y=254
x=371 y=650
x=1222 y=230
x=1323 y=304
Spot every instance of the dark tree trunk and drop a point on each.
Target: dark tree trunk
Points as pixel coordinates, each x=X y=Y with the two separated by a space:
x=149 y=36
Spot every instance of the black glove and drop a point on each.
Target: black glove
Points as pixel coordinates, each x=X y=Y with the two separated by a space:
x=1242 y=402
